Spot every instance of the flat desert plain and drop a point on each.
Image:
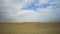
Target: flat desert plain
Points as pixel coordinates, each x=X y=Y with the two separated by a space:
x=30 y=28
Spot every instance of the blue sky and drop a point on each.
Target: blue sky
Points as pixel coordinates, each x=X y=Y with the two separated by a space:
x=29 y=10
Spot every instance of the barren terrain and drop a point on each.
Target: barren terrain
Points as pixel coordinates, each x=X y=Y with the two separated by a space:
x=29 y=28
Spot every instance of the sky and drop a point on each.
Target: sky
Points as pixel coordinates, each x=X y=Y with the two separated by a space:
x=29 y=10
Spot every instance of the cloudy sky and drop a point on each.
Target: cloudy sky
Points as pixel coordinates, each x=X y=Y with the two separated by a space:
x=29 y=10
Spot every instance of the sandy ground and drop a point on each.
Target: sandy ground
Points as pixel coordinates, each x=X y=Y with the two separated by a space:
x=29 y=28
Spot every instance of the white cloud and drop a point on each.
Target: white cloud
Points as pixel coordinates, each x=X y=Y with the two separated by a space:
x=10 y=12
